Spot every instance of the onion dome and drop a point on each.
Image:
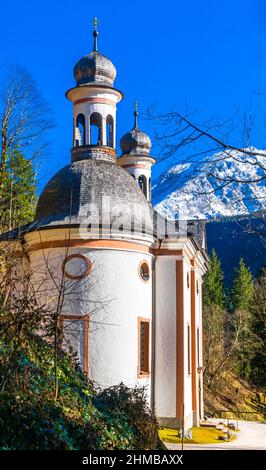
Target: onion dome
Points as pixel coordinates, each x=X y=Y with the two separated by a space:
x=95 y=68
x=135 y=142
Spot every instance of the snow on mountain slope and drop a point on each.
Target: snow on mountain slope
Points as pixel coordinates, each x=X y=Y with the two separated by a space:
x=226 y=184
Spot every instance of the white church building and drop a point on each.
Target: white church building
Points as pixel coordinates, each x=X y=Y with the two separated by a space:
x=130 y=282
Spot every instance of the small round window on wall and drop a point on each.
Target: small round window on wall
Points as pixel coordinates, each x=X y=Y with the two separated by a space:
x=76 y=266
x=144 y=271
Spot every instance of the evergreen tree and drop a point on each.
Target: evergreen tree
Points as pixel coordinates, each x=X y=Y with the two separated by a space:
x=242 y=291
x=213 y=286
x=213 y=317
x=241 y=301
x=258 y=362
x=18 y=193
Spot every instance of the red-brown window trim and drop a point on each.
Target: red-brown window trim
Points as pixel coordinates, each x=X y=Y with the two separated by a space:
x=142 y=374
x=76 y=255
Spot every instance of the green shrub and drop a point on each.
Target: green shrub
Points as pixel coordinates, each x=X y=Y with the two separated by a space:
x=130 y=404
x=30 y=418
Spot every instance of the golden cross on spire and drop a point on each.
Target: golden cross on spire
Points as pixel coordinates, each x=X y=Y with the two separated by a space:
x=96 y=23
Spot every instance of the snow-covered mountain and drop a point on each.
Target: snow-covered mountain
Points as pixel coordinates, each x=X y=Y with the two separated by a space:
x=226 y=184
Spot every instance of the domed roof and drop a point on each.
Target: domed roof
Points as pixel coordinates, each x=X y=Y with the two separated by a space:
x=94 y=190
x=95 y=68
x=135 y=142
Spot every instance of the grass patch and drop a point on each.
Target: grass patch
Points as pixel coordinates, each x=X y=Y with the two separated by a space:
x=199 y=436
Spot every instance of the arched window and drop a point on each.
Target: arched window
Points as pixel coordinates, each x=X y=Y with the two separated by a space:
x=96 y=135
x=143 y=184
x=149 y=189
x=110 y=131
x=80 y=130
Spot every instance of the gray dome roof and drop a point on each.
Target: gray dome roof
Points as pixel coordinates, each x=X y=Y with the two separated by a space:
x=95 y=68
x=68 y=195
x=135 y=142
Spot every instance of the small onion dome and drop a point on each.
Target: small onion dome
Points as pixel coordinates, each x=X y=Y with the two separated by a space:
x=95 y=68
x=135 y=142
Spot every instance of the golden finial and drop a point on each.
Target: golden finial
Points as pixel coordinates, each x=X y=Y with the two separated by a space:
x=136 y=113
x=96 y=23
x=95 y=33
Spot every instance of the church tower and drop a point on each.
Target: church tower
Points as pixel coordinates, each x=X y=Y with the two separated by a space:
x=94 y=98
x=136 y=158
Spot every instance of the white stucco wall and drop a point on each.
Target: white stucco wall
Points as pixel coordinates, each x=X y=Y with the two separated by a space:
x=187 y=321
x=198 y=318
x=166 y=339
x=87 y=108
x=114 y=296
x=139 y=172
x=165 y=343
x=19 y=279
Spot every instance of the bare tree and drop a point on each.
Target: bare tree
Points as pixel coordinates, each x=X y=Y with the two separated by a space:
x=223 y=333
x=199 y=150
x=25 y=116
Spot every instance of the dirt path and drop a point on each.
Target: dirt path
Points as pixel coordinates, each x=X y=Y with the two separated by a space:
x=252 y=436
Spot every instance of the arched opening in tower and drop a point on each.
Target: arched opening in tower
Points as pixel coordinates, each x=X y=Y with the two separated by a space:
x=143 y=184
x=80 y=130
x=96 y=129
x=110 y=131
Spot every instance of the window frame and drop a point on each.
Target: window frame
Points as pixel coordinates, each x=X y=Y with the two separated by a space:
x=144 y=261
x=81 y=276
x=144 y=373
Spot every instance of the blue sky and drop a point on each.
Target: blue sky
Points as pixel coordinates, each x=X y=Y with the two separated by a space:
x=208 y=54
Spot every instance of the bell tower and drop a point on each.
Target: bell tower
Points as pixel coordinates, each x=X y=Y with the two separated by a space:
x=136 y=158
x=94 y=101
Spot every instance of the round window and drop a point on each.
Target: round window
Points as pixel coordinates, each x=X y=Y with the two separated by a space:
x=76 y=266
x=144 y=271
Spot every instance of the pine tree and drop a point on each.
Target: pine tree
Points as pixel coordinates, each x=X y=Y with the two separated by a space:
x=241 y=300
x=213 y=317
x=242 y=291
x=213 y=287
x=18 y=193
x=258 y=362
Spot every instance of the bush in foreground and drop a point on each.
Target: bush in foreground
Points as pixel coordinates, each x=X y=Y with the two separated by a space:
x=81 y=418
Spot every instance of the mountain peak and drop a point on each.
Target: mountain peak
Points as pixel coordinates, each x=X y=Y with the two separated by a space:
x=228 y=183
